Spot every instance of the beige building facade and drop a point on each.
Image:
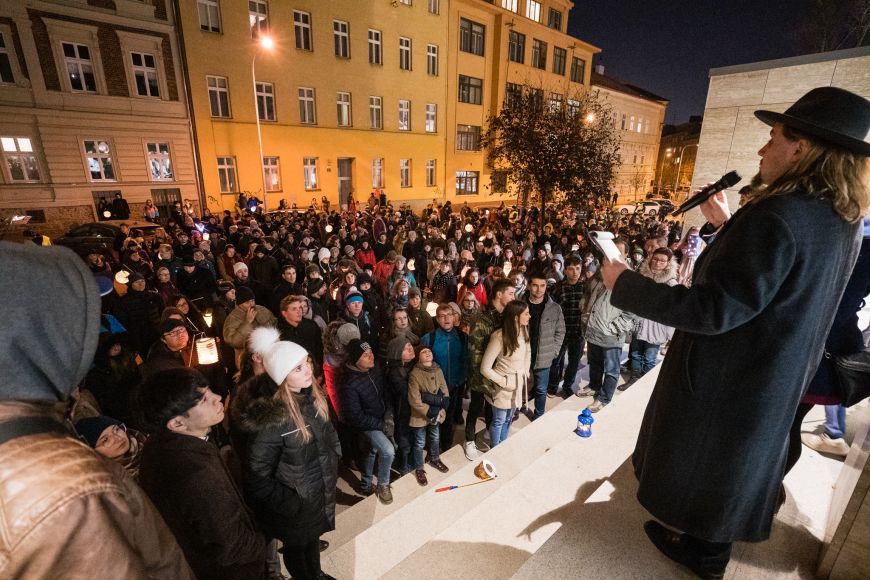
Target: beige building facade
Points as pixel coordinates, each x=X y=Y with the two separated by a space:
x=91 y=103
x=731 y=135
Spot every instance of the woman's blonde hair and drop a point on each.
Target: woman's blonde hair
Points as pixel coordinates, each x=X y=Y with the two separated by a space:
x=289 y=399
x=825 y=171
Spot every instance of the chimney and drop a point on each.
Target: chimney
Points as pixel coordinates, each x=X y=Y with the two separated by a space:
x=599 y=68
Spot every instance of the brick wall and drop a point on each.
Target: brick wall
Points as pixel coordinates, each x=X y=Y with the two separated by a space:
x=160 y=9
x=113 y=61
x=58 y=221
x=46 y=56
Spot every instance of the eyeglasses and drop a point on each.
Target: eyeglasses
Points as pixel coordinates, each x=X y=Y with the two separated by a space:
x=177 y=332
x=104 y=439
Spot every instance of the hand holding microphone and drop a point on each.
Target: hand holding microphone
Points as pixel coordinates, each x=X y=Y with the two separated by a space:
x=728 y=180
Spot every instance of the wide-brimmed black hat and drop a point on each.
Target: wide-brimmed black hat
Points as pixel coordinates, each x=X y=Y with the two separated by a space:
x=831 y=114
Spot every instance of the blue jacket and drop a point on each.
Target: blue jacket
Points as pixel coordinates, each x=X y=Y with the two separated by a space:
x=450 y=352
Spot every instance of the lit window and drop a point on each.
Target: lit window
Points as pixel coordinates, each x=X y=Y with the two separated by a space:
x=98 y=155
x=307 y=112
x=467 y=182
x=218 y=96
x=258 y=17
x=341 y=38
x=434 y=6
x=160 y=162
x=266 y=101
x=209 y=15
x=375 y=51
x=404 y=53
x=404 y=115
x=432 y=60
x=430 y=173
x=555 y=102
x=573 y=107
x=533 y=10
x=302 y=29
x=342 y=104
x=376 y=113
x=431 y=118
x=21 y=163
x=509 y=5
x=79 y=67
x=404 y=172
x=378 y=172
x=227 y=174
x=468 y=138
x=272 y=173
x=309 y=167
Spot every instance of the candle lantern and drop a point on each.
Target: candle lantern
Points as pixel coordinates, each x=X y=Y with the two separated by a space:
x=584 y=423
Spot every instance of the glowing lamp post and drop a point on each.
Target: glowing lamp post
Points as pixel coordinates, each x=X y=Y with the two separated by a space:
x=264 y=43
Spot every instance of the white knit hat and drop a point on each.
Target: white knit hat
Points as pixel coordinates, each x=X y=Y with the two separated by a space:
x=279 y=356
x=323 y=253
x=239 y=266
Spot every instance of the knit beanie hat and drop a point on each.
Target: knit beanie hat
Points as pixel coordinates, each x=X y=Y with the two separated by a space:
x=90 y=428
x=346 y=333
x=279 y=356
x=414 y=291
x=363 y=278
x=396 y=346
x=348 y=250
x=239 y=266
x=323 y=254
x=355 y=349
x=314 y=285
x=244 y=294
x=353 y=296
x=455 y=308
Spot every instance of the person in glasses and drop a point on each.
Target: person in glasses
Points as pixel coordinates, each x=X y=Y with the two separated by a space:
x=113 y=440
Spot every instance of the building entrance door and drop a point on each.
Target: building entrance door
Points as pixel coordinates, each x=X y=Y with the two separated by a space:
x=345 y=180
x=165 y=200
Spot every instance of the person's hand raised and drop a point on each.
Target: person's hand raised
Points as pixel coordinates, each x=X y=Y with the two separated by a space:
x=611 y=270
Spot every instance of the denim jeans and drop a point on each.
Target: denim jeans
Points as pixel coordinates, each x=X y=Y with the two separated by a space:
x=835 y=421
x=501 y=425
x=420 y=433
x=643 y=356
x=574 y=350
x=383 y=448
x=603 y=364
x=542 y=379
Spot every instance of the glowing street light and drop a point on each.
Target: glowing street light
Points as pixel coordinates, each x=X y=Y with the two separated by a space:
x=264 y=43
x=590 y=117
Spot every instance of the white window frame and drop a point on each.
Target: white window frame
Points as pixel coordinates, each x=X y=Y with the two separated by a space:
x=212 y=11
x=467 y=178
x=376 y=112
x=103 y=160
x=228 y=177
x=159 y=153
x=19 y=148
x=556 y=102
x=533 y=10
x=309 y=173
x=431 y=178
x=266 y=96
x=302 y=34
x=144 y=44
x=307 y=106
x=631 y=124
x=431 y=118
x=468 y=137
x=218 y=86
x=146 y=72
x=405 y=56
x=258 y=17
x=343 y=109
x=435 y=7
x=82 y=65
x=376 y=48
x=511 y=5
x=404 y=115
x=341 y=38
x=432 y=60
x=378 y=172
x=272 y=173
x=404 y=173
x=73 y=32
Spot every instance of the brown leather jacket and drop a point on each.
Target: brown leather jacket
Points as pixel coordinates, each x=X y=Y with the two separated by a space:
x=65 y=512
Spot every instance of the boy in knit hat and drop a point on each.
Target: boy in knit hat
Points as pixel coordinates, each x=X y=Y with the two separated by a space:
x=429 y=400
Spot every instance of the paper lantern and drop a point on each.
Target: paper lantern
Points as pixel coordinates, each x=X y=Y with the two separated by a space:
x=207 y=351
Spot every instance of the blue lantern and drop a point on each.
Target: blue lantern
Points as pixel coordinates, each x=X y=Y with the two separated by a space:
x=584 y=424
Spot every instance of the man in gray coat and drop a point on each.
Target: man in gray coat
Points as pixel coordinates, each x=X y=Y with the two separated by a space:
x=749 y=332
x=546 y=332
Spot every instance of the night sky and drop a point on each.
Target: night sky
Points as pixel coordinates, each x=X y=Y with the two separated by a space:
x=668 y=47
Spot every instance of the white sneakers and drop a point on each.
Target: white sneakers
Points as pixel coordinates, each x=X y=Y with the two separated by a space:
x=825 y=444
x=471 y=452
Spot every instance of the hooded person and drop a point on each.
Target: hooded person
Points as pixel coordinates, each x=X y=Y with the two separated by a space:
x=56 y=486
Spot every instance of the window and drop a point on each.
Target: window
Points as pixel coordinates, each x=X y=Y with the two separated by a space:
x=466 y=182
x=378 y=172
x=404 y=53
x=266 y=101
x=302 y=29
x=623 y=122
x=227 y=174
x=471 y=36
x=554 y=19
x=209 y=15
x=375 y=54
x=573 y=107
x=341 y=38
x=431 y=118
x=307 y=112
x=160 y=162
x=631 y=124
x=404 y=173
x=555 y=102
x=404 y=115
x=434 y=6
x=498 y=180
x=539 y=54
x=79 y=67
x=406 y=2
x=145 y=74
x=258 y=17
x=640 y=125
x=432 y=60
x=517 y=47
x=98 y=155
x=376 y=113
x=533 y=10
x=578 y=70
x=470 y=90
x=509 y=5
x=560 y=56
x=512 y=94
x=467 y=138
x=430 y=173
x=20 y=160
x=536 y=98
x=309 y=172
x=342 y=107
x=218 y=96
x=272 y=173
x=6 y=75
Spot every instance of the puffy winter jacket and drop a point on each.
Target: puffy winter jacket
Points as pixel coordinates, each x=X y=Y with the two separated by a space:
x=450 y=351
x=361 y=398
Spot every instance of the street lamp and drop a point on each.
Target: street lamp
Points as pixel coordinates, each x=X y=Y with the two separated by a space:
x=682 y=156
x=265 y=43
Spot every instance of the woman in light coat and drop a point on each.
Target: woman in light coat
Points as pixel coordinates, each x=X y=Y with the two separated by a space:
x=506 y=363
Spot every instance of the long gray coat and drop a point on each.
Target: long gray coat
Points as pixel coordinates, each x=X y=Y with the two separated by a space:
x=712 y=446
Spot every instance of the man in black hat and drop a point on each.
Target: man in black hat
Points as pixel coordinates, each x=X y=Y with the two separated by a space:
x=749 y=332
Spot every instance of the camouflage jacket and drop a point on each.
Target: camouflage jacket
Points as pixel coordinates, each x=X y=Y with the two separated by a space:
x=486 y=324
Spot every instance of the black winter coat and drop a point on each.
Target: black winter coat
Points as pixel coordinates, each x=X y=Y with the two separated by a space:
x=397 y=390
x=362 y=398
x=306 y=335
x=749 y=335
x=139 y=312
x=290 y=484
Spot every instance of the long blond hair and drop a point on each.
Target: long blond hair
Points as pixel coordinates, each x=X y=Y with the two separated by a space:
x=825 y=171
x=290 y=401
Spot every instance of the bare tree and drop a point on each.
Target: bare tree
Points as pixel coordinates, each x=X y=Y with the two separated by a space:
x=835 y=25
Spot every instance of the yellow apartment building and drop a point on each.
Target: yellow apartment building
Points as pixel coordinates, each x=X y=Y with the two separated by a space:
x=92 y=103
x=639 y=117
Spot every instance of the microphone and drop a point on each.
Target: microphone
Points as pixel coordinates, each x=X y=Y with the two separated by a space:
x=729 y=179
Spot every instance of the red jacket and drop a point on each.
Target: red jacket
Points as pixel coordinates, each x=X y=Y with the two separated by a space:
x=364 y=257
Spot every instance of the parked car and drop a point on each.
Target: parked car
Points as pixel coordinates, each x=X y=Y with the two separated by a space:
x=645 y=207
x=100 y=236
x=667 y=204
